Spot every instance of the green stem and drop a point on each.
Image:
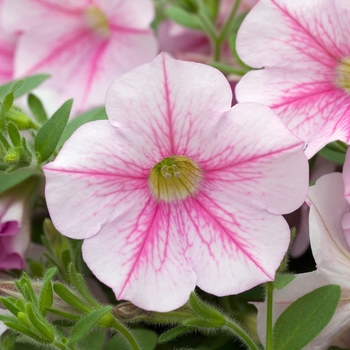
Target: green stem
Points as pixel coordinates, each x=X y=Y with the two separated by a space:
x=126 y=333
x=210 y=30
x=269 y=322
x=227 y=26
x=240 y=332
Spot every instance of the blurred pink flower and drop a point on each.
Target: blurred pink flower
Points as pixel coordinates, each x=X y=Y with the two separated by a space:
x=178 y=188
x=332 y=255
x=84 y=44
x=14 y=228
x=193 y=45
x=7 y=48
x=304 y=48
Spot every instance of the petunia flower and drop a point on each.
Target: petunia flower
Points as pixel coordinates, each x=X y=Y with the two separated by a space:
x=178 y=189
x=14 y=227
x=7 y=48
x=332 y=255
x=304 y=48
x=194 y=45
x=84 y=44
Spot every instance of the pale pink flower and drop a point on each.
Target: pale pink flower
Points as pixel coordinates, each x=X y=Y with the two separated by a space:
x=7 y=48
x=194 y=45
x=332 y=255
x=305 y=49
x=14 y=229
x=84 y=44
x=178 y=189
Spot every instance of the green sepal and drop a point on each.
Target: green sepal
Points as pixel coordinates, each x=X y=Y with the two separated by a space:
x=22 y=86
x=46 y=292
x=4 y=108
x=77 y=281
x=85 y=324
x=24 y=285
x=173 y=333
x=19 y=327
x=182 y=17
x=37 y=109
x=334 y=151
x=23 y=319
x=303 y=320
x=50 y=133
x=281 y=280
x=206 y=311
x=14 y=134
x=69 y=316
x=40 y=324
x=70 y=298
x=11 y=304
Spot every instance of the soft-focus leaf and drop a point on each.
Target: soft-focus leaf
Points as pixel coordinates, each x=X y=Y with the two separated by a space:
x=4 y=108
x=50 y=133
x=29 y=84
x=37 y=109
x=8 y=181
x=183 y=17
x=85 y=324
x=98 y=113
x=94 y=340
x=146 y=338
x=303 y=320
x=173 y=333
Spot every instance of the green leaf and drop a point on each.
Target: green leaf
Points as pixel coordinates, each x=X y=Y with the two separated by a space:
x=10 y=304
x=37 y=109
x=146 y=338
x=180 y=16
x=85 y=324
x=8 y=181
x=173 y=333
x=282 y=280
x=334 y=155
x=98 y=113
x=14 y=134
x=303 y=320
x=94 y=340
x=29 y=83
x=203 y=323
x=50 y=133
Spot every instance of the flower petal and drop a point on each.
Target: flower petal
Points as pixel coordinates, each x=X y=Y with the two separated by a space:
x=104 y=172
x=174 y=105
x=141 y=256
x=264 y=167
x=300 y=47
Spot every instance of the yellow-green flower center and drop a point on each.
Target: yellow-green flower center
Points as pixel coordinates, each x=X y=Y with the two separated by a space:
x=97 y=20
x=343 y=75
x=174 y=178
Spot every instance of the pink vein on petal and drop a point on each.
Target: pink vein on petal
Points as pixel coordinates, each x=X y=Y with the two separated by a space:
x=169 y=109
x=59 y=50
x=56 y=8
x=239 y=245
x=146 y=235
x=298 y=24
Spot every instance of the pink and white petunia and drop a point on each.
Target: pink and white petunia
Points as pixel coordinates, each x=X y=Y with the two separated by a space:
x=14 y=228
x=332 y=255
x=178 y=189
x=7 y=48
x=304 y=48
x=84 y=44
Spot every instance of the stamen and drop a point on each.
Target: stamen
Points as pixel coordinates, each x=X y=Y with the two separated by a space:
x=174 y=178
x=343 y=75
x=97 y=20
